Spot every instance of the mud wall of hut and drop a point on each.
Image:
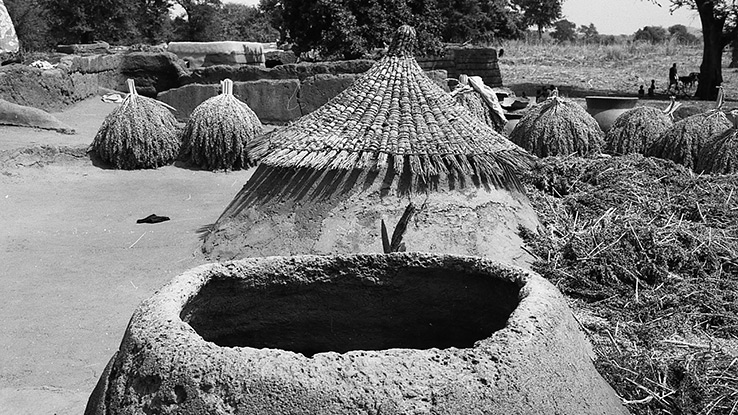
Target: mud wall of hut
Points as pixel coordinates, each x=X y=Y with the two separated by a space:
x=277 y=95
x=469 y=61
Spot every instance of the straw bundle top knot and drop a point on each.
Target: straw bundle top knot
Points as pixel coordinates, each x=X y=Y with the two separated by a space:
x=403 y=44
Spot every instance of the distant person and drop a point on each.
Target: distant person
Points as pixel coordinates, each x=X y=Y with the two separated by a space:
x=652 y=88
x=641 y=92
x=673 y=79
x=539 y=95
x=551 y=90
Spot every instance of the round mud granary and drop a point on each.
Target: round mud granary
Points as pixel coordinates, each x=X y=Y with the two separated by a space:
x=359 y=334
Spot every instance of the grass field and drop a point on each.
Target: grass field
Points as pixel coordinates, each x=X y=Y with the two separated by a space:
x=581 y=70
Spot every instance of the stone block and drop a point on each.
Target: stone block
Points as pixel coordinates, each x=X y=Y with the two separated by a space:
x=273 y=101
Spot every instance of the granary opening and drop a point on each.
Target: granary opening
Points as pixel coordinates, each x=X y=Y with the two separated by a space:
x=413 y=308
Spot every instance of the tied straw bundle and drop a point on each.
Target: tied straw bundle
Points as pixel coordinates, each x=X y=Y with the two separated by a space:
x=140 y=134
x=682 y=143
x=481 y=101
x=558 y=126
x=219 y=132
x=635 y=130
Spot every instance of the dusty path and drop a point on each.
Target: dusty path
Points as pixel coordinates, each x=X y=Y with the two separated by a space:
x=75 y=264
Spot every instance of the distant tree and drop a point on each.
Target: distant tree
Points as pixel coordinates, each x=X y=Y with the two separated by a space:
x=718 y=19
x=246 y=23
x=589 y=33
x=29 y=20
x=350 y=28
x=651 y=34
x=84 y=21
x=680 y=33
x=564 y=30
x=200 y=22
x=480 y=21
x=540 y=13
x=152 y=20
x=274 y=12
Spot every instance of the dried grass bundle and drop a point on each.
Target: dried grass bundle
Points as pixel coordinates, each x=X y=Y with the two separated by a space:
x=219 y=131
x=490 y=113
x=140 y=134
x=682 y=142
x=636 y=130
x=719 y=154
x=558 y=126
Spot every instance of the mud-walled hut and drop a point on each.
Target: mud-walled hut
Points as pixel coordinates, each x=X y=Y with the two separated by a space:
x=393 y=138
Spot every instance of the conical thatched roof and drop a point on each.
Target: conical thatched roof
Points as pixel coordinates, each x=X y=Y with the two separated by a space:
x=394 y=114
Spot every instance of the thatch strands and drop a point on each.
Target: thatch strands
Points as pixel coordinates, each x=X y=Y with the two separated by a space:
x=558 y=126
x=636 y=130
x=719 y=154
x=395 y=116
x=481 y=101
x=682 y=143
x=140 y=134
x=219 y=132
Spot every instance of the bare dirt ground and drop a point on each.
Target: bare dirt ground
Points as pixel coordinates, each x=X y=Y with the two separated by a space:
x=75 y=263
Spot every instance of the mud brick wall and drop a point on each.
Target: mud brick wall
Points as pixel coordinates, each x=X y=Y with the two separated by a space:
x=470 y=61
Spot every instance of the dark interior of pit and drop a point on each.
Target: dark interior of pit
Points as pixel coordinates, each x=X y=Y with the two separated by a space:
x=410 y=308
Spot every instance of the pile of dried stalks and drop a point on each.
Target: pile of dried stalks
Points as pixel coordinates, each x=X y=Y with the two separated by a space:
x=683 y=142
x=648 y=252
x=635 y=130
x=140 y=134
x=558 y=127
x=219 y=132
x=719 y=154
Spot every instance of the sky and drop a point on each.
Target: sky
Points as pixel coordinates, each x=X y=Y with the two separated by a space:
x=613 y=17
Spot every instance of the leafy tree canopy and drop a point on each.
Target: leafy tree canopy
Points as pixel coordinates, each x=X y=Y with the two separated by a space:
x=540 y=13
x=564 y=30
x=652 y=34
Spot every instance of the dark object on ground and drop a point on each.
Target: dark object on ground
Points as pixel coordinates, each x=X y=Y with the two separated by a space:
x=410 y=333
x=652 y=88
x=22 y=116
x=153 y=219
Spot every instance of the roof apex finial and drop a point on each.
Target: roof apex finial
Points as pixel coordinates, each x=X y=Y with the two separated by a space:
x=403 y=43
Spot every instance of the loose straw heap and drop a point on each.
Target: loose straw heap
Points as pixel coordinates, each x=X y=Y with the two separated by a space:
x=140 y=134
x=219 y=132
x=636 y=130
x=556 y=127
x=394 y=116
